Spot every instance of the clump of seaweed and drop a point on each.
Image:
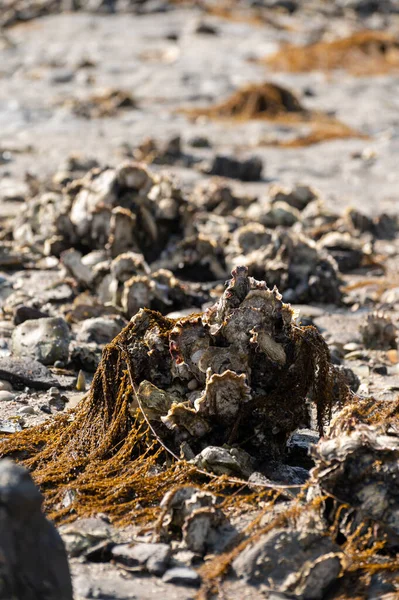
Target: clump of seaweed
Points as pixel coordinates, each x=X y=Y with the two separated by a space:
x=257 y=101
x=278 y=104
x=240 y=375
x=363 y=52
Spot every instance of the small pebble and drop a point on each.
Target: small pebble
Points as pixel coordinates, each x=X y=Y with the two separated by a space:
x=5 y=395
x=54 y=392
x=46 y=409
x=59 y=364
x=26 y=410
x=5 y=386
x=351 y=346
x=182 y=576
x=380 y=369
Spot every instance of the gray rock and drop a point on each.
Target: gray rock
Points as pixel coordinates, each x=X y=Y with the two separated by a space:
x=61 y=76
x=10 y=426
x=5 y=386
x=26 y=371
x=99 y=330
x=46 y=340
x=286 y=474
x=84 y=535
x=152 y=557
x=303 y=563
x=6 y=396
x=26 y=410
x=34 y=563
x=182 y=576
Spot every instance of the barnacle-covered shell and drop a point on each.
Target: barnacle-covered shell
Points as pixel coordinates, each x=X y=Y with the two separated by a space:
x=219 y=360
x=201 y=531
x=297 y=196
x=128 y=264
x=188 y=342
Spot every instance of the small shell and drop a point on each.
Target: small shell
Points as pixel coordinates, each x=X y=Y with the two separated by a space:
x=182 y=417
x=223 y=396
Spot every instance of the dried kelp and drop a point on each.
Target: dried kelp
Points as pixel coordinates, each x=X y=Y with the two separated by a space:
x=362 y=53
x=238 y=374
x=275 y=103
x=267 y=100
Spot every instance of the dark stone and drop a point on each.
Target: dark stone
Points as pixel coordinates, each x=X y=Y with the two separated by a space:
x=286 y=474
x=199 y=141
x=33 y=559
x=380 y=369
x=22 y=372
x=206 y=29
x=245 y=170
x=27 y=313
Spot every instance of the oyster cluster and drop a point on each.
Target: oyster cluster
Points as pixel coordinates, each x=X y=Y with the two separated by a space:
x=133 y=238
x=237 y=374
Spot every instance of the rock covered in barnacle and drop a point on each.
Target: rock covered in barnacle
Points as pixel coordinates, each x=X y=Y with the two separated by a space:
x=379 y=332
x=238 y=374
x=225 y=461
x=347 y=251
x=359 y=466
x=217 y=197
